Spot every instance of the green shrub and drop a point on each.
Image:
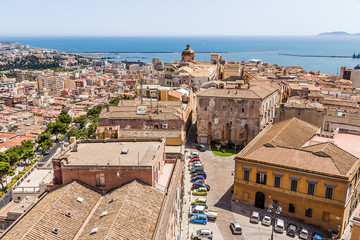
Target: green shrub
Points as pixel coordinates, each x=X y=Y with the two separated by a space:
x=11 y=173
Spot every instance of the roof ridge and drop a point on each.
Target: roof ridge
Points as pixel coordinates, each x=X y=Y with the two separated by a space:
x=87 y=219
x=282 y=130
x=119 y=210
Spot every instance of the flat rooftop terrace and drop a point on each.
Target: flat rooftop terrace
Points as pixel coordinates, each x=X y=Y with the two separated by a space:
x=109 y=154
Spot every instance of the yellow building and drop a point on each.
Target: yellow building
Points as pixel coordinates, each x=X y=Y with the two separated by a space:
x=314 y=182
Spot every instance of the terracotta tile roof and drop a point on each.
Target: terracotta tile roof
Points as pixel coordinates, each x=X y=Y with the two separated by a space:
x=343 y=160
x=175 y=94
x=257 y=92
x=296 y=158
x=132 y=213
x=49 y=213
x=292 y=133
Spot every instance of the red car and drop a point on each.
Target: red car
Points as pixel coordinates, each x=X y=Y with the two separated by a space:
x=195 y=160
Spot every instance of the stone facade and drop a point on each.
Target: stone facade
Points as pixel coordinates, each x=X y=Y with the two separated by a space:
x=234 y=115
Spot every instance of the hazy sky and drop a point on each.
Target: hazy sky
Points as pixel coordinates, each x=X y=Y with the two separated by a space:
x=177 y=18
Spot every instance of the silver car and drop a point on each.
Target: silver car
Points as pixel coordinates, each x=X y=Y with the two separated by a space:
x=202 y=234
x=236 y=228
x=266 y=220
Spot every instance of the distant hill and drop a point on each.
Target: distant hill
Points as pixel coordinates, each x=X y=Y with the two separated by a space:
x=339 y=34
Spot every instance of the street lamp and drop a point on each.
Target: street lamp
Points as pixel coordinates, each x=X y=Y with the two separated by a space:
x=275 y=209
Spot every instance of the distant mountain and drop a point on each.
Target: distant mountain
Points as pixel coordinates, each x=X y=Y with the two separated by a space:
x=339 y=34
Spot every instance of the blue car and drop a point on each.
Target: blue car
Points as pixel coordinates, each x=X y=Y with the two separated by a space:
x=193 y=179
x=316 y=236
x=199 y=218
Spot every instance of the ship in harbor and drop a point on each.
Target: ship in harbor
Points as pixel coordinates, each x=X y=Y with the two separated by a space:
x=356 y=55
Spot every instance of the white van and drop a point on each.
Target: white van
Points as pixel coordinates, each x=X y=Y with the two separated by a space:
x=255 y=217
x=279 y=225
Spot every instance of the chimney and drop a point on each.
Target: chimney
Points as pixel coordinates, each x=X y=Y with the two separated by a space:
x=107 y=108
x=57 y=171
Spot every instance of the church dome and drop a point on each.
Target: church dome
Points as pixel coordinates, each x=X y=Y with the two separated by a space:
x=188 y=55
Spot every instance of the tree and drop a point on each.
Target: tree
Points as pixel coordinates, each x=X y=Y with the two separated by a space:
x=81 y=121
x=4 y=169
x=27 y=144
x=114 y=101
x=64 y=117
x=27 y=154
x=47 y=144
x=43 y=137
x=4 y=157
x=13 y=154
x=94 y=112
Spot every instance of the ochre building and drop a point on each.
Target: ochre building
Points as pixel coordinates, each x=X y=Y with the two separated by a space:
x=315 y=182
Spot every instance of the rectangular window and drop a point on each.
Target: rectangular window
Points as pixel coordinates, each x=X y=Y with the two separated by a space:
x=100 y=179
x=294 y=185
x=308 y=212
x=261 y=178
x=205 y=108
x=224 y=108
x=231 y=109
x=243 y=110
x=311 y=189
x=326 y=217
x=230 y=123
x=246 y=175
x=291 y=208
x=329 y=191
x=277 y=181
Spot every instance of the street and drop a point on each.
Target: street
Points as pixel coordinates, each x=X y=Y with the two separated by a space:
x=220 y=177
x=7 y=196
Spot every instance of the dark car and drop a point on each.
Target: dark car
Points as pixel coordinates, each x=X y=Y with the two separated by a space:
x=197 y=178
x=200 y=172
x=291 y=230
x=199 y=185
x=201 y=148
x=200 y=180
x=196 y=170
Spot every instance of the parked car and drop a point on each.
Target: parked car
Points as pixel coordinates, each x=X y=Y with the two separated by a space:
x=199 y=185
x=316 y=236
x=200 y=191
x=279 y=225
x=202 y=234
x=199 y=201
x=235 y=228
x=199 y=218
x=194 y=155
x=201 y=209
x=266 y=220
x=291 y=230
x=198 y=173
x=194 y=160
x=304 y=234
x=197 y=177
x=197 y=166
x=255 y=217
x=199 y=180
x=201 y=148
x=195 y=171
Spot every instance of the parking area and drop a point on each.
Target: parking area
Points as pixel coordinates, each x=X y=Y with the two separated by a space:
x=220 y=178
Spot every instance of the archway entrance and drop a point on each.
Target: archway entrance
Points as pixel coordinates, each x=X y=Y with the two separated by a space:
x=260 y=200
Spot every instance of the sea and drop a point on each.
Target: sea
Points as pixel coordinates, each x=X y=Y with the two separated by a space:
x=267 y=49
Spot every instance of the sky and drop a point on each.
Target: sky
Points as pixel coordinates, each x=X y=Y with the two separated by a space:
x=177 y=18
